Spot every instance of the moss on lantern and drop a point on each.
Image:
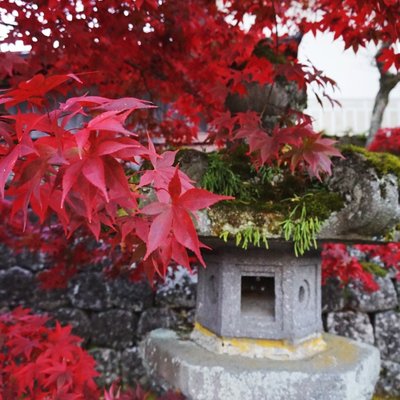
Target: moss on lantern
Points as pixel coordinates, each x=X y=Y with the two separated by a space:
x=383 y=163
x=269 y=201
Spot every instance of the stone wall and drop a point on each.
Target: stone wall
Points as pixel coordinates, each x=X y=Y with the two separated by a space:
x=372 y=318
x=112 y=316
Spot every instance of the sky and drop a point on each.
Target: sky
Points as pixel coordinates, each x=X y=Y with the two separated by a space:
x=355 y=74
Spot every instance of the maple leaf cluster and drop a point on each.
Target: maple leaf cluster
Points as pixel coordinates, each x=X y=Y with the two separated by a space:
x=386 y=140
x=339 y=263
x=350 y=263
x=38 y=362
x=188 y=57
x=69 y=161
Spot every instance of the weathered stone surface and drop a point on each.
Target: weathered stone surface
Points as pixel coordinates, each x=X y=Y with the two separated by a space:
x=397 y=286
x=354 y=325
x=107 y=364
x=17 y=286
x=78 y=319
x=185 y=319
x=132 y=369
x=154 y=318
x=193 y=163
x=89 y=291
x=387 y=328
x=389 y=380
x=372 y=202
x=128 y=295
x=49 y=300
x=260 y=294
x=114 y=328
x=383 y=299
x=347 y=370
x=7 y=257
x=35 y=261
x=332 y=295
x=178 y=290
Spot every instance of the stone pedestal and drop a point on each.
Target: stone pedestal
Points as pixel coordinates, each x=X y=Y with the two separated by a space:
x=258 y=334
x=345 y=370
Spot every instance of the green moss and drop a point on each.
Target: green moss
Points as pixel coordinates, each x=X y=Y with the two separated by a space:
x=264 y=199
x=322 y=203
x=384 y=163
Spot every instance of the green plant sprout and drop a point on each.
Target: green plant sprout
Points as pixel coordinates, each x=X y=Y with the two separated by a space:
x=245 y=237
x=300 y=228
x=219 y=178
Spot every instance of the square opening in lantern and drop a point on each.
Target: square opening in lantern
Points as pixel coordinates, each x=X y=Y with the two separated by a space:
x=258 y=296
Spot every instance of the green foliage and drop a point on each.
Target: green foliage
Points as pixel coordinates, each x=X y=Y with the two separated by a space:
x=219 y=178
x=245 y=237
x=374 y=268
x=233 y=175
x=292 y=198
x=321 y=203
x=301 y=228
x=384 y=163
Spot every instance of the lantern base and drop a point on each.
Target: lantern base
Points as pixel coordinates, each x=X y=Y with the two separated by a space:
x=346 y=370
x=259 y=348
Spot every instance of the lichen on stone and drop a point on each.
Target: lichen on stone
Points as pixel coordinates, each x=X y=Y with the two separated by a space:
x=383 y=163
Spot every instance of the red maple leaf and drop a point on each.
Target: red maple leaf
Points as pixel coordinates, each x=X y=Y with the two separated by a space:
x=175 y=218
x=315 y=151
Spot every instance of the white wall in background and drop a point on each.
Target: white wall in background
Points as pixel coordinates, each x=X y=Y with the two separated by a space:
x=358 y=81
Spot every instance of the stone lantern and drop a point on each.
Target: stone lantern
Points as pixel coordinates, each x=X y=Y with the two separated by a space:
x=258 y=331
x=258 y=295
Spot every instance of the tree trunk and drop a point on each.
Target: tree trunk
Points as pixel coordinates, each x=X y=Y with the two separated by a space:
x=387 y=83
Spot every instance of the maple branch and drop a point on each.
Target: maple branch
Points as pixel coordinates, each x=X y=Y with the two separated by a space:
x=387 y=82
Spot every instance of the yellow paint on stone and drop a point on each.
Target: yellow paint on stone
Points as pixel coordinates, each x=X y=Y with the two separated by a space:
x=242 y=346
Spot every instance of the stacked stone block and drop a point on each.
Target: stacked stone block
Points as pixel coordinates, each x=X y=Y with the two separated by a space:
x=372 y=318
x=111 y=315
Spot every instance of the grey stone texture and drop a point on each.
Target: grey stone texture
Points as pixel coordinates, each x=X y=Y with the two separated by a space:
x=351 y=324
x=333 y=294
x=262 y=294
x=132 y=369
x=154 y=318
x=89 y=291
x=128 y=295
x=114 y=328
x=107 y=364
x=372 y=202
x=387 y=328
x=389 y=380
x=383 y=299
x=17 y=286
x=49 y=300
x=348 y=370
x=34 y=261
x=179 y=290
x=7 y=257
x=397 y=286
x=78 y=319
